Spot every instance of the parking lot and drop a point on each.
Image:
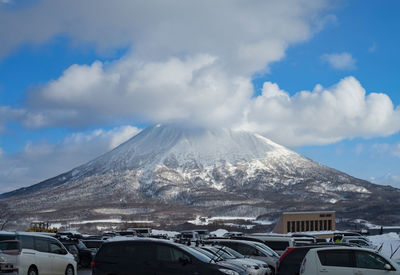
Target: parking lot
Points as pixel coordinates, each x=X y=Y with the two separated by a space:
x=205 y=253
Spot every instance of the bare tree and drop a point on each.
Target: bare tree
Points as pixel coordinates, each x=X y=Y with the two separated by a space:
x=5 y=213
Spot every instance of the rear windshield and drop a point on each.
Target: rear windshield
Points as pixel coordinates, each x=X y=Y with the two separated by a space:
x=5 y=237
x=277 y=245
x=93 y=244
x=290 y=264
x=9 y=245
x=343 y=258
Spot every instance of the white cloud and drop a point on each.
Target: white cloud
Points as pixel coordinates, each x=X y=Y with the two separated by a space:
x=197 y=91
x=245 y=36
x=340 y=61
x=37 y=162
x=323 y=115
x=194 y=89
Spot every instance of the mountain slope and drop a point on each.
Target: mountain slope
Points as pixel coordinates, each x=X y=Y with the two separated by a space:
x=202 y=171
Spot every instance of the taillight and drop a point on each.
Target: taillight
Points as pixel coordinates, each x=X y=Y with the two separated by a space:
x=94 y=264
x=12 y=252
x=286 y=253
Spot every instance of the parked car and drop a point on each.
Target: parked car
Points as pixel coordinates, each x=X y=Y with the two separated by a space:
x=189 y=235
x=9 y=251
x=154 y=256
x=277 y=243
x=358 y=242
x=250 y=249
x=263 y=265
x=71 y=247
x=290 y=261
x=251 y=267
x=346 y=261
x=85 y=255
x=37 y=254
x=93 y=245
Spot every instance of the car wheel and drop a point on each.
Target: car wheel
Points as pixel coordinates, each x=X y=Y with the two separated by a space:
x=33 y=271
x=69 y=270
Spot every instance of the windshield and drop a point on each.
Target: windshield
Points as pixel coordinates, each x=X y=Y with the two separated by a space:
x=209 y=254
x=221 y=252
x=233 y=252
x=81 y=245
x=198 y=255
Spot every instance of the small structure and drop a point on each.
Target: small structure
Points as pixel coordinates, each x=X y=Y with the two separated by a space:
x=295 y=222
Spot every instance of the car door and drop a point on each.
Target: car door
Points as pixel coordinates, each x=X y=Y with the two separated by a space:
x=335 y=262
x=58 y=255
x=369 y=263
x=42 y=256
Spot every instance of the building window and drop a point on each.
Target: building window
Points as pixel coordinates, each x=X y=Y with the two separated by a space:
x=293 y=227
x=298 y=226
x=329 y=224
x=311 y=225
x=288 y=226
x=302 y=226
x=307 y=225
x=325 y=225
x=320 y=225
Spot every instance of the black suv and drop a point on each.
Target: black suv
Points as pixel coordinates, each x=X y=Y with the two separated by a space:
x=154 y=256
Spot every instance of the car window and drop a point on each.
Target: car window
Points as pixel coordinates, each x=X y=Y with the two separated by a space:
x=343 y=258
x=133 y=251
x=56 y=248
x=26 y=241
x=167 y=253
x=81 y=245
x=41 y=244
x=71 y=248
x=200 y=256
x=370 y=260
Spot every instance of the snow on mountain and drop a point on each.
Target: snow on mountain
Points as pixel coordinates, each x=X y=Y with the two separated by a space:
x=222 y=171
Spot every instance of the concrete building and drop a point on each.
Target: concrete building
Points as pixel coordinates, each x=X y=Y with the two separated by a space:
x=296 y=222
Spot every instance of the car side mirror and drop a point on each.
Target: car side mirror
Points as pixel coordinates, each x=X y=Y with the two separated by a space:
x=387 y=267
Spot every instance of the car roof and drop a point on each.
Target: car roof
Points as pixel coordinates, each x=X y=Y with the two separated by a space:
x=137 y=239
x=343 y=248
x=232 y=241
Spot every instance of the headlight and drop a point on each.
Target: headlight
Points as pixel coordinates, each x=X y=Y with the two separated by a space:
x=228 y=271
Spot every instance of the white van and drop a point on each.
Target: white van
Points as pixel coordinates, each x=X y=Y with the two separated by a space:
x=35 y=254
x=347 y=261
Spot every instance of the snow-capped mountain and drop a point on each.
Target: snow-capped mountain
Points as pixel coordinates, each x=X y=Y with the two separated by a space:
x=171 y=171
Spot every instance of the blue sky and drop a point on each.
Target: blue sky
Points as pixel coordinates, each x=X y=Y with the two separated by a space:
x=78 y=79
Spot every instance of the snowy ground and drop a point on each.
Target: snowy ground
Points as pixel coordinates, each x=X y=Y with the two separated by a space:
x=390 y=243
